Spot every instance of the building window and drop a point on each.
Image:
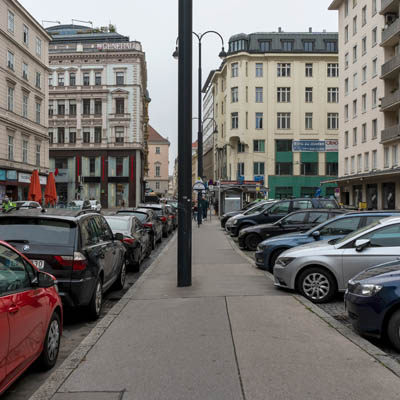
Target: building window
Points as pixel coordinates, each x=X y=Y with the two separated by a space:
x=364 y=45
x=346 y=86
x=386 y=157
x=308 y=46
x=38 y=155
x=92 y=166
x=359 y=163
x=333 y=70
x=346 y=166
x=51 y=137
x=287 y=45
x=25 y=106
x=309 y=120
x=259 y=70
x=346 y=139
x=60 y=135
x=283 y=168
x=51 y=108
x=60 y=107
x=72 y=136
x=374 y=129
x=234 y=120
x=259 y=95
x=364 y=103
x=25 y=71
x=331 y=169
x=97 y=134
x=259 y=168
x=346 y=8
x=158 y=170
x=374 y=8
x=346 y=112
x=38 y=80
x=374 y=98
x=309 y=95
x=259 y=120
x=364 y=74
x=11 y=148
x=11 y=19
x=119 y=166
x=283 y=145
x=259 y=146
x=98 y=105
x=333 y=95
x=364 y=133
x=86 y=135
x=97 y=79
x=25 y=151
x=10 y=60
x=354 y=108
x=309 y=70
x=366 y=161
x=86 y=79
x=86 y=106
x=241 y=147
x=38 y=47
x=235 y=69
x=374 y=67
x=331 y=46
x=240 y=169
x=284 y=120
x=333 y=121
x=119 y=134
x=264 y=45
x=309 y=168
x=354 y=136
x=26 y=35
x=346 y=61
x=346 y=33
x=283 y=94
x=374 y=159
x=158 y=150
x=72 y=79
x=395 y=155
x=284 y=69
x=38 y=112
x=354 y=25
x=234 y=94
x=50 y=80
x=120 y=106
x=10 y=99
x=374 y=37
x=354 y=53
x=72 y=107
x=60 y=79
x=352 y=164
x=157 y=185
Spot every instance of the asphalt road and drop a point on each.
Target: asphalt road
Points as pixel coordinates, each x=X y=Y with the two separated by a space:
x=76 y=328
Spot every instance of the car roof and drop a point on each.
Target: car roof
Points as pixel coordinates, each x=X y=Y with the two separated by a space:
x=151 y=205
x=60 y=213
x=318 y=210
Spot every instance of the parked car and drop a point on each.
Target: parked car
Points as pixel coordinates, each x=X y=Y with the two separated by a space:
x=230 y=214
x=298 y=221
x=373 y=302
x=162 y=214
x=269 y=250
x=136 y=238
x=27 y=204
x=319 y=270
x=173 y=203
x=173 y=214
x=77 y=247
x=149 y=219
x=95 y=205
x=80 y=205
x=277 y=211
x=31 y=316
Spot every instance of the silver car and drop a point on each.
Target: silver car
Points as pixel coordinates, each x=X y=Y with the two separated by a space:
x=319 y=270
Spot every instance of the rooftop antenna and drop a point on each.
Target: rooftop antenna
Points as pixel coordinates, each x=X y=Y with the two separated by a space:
x=54 y=22
x=86 y=22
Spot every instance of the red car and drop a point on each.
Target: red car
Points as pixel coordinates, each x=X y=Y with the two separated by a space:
x=30 y=316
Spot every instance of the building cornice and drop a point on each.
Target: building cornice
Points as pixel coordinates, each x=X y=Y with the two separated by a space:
x=335 y=5
x=25 y=129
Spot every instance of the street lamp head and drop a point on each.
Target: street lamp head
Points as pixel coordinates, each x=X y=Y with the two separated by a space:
x=222 y=54
x=215 y=130
x=175 y=54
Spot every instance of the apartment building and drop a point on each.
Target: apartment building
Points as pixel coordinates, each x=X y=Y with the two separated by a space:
x=369 y=101
x=98 y=117
x=276 y=103
x=24 y=143
x=158 y=178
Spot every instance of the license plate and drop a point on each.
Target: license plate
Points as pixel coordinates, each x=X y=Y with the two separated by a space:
x=38 y=263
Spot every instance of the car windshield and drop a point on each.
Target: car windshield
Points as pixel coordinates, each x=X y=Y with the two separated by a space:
x=118 y=224
x=356 y=233
x=258 y=208
x=141 y=216
x=37 y=230
x=173 y=203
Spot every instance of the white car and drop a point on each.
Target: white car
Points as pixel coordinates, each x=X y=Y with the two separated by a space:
x=28 y=204
x=95 y=204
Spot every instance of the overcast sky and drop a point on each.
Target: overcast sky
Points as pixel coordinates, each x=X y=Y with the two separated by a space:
x=155 y=24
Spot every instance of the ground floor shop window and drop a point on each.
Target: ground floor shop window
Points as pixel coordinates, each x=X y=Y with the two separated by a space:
x=91 y=191
x=118 y=194
x=283 y=192
x=372 y=197
x=357 y=195
x=308 y=191
x=389 y=196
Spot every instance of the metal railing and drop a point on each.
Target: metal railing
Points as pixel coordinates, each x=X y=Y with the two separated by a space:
x=391 y=65
x=390 y=133
x=391 y=30
x=390 y=100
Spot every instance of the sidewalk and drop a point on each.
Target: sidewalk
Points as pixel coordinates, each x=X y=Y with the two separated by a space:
x=231 y=336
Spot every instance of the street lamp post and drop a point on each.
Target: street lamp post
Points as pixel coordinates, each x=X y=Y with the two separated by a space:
x=222 y=54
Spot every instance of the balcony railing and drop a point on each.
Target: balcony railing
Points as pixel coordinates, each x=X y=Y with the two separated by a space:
x=391 y=33
x=390 y=66
x=391 y=133
x=389 y=6
x=391 y=101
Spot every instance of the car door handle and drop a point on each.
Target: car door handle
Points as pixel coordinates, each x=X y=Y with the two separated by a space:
x=102 y=254
x=13 y=309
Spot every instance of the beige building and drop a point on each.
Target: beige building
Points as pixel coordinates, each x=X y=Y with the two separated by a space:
x=158 y=160
x=369 y=100
x=276 y=106
x=24 y=143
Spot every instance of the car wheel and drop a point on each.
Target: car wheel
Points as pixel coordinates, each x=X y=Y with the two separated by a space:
x=165 y=234
x=274 y=257
x=120 y=282
x=96 y=302
x=160 y=238
x=51 y=345
x=252 y=241
x=153 y=242
x=393 y=330
x=317 y=285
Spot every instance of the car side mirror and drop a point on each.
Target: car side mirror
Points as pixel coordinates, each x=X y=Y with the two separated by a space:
x=43 y=280
x=266 y=212
x=316 y=235
x=361 y=244
x=119 y=236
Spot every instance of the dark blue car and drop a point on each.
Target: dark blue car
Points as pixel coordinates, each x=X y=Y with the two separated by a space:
x=373 y=302
x=269 y=250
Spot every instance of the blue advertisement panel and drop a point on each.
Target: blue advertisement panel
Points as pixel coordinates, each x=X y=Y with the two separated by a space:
x=3 y=174
x=308 y=145
x=12 y=175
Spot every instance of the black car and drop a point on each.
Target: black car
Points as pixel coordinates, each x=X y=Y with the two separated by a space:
x=149 y=220
x=136 y=238
x=77 y=247
x=173 y=214
x=162 y=214
x=228 y=215
x=277 y=211
x=297 y=221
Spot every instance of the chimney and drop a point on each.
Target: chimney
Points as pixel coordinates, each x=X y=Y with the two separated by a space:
x=280 y=30
x=310 y=29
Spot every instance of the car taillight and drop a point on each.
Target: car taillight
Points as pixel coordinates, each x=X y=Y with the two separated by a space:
x=163 y=219
x=128 y=240
x=171 y=216
x=78 y=261
x=148 y=225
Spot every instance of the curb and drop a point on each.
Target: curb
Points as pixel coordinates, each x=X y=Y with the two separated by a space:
x=50 y=387
x=383 y=358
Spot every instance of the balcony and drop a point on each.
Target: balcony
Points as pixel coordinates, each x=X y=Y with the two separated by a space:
x=390 y=134
x=389 y=6
x=390 y=35
x=391 y=101
x=391 y=68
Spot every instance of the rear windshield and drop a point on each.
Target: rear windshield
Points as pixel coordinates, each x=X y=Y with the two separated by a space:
x=118 y=224
x=142 y=217
x=36 y=230
x=328 y=203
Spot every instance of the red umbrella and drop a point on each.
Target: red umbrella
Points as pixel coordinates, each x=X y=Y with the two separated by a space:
x=35 y=191
x=50 y=193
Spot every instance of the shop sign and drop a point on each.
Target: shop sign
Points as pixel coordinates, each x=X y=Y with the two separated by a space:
x=332 y=145
x=3 y=175
x=12 y=175
x=24 y=178
x=43 y=180
x=118 y=46
x=308 y=146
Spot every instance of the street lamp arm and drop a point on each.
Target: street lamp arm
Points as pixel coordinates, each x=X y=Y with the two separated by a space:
x=200 y=37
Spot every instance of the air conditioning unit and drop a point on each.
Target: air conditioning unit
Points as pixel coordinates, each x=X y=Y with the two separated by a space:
x=390 y=18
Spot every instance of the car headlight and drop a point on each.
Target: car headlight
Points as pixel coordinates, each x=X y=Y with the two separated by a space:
x=366 y=289
x=235 y=222
x=284 y=261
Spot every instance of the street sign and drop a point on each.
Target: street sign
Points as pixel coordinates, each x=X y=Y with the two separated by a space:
x=199 y=186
